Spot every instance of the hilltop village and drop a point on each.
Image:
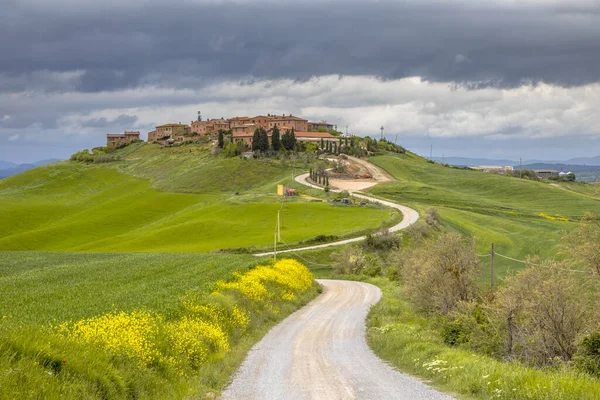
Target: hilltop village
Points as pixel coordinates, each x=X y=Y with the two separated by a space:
x=240 y=129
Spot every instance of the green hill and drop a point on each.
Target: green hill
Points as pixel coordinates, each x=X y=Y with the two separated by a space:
x=178 y=199
x=491 y=208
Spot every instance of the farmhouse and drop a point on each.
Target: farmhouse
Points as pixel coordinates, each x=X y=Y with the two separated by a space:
x=174 y=131
x=116 y=140
x=494 y=169
x=545 y=173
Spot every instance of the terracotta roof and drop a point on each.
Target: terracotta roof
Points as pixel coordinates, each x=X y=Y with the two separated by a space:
x=170 y=125
x=132 y=132
x=237 y=118
x=321 y=123
x=115 y=135
x=246 y=134
x=286 y=117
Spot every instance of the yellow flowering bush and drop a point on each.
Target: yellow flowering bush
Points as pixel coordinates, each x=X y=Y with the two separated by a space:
x=207 y=323
x=195 y=338
x=127 y=334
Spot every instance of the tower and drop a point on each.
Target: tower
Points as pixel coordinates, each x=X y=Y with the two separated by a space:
x=199 y=116
x=381 y=131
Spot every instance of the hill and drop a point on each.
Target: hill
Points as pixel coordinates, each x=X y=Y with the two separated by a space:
x=164 y=199
x=520 y=217
x=9 y=169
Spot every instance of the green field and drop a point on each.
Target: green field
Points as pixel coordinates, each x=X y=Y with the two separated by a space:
x=41 y=291
x=491 y=208
x=165 y=200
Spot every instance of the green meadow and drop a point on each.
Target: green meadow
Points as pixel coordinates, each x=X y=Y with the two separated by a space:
x=166 y=200
x=491 y=208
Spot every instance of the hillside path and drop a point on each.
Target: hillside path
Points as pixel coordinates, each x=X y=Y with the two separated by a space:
x=320 y=352
x=410 y=216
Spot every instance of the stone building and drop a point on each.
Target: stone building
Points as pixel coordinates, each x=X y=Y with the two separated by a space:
x=116 y=140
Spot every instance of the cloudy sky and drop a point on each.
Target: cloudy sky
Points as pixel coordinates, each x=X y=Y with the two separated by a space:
x=504 y=79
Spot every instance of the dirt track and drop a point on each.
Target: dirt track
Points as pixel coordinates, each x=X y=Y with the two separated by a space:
x=320 y=352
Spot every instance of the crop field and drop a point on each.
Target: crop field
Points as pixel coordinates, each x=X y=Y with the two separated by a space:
x=123 y=325
x=522 y=218
x=74 y=207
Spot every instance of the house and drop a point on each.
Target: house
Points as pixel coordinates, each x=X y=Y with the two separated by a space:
x=315 y=137
x=116 y=140
x=238 y=121
x=315 y=126
x=219 y=124
x=245 y=135
x=201 y=127
x=240 y=133
x=545 y=173
x=174 y=131
x=290 y=121
x=494 y=169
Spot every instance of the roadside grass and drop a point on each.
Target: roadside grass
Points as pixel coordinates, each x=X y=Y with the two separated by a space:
x=410 y=342
x=43 y=291
x=74 y=207
x=491 y=208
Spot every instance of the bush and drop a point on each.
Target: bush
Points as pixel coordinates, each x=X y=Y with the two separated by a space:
x=441 y=273
x=432 y=218
x=587 y=358
x=384 y=241
x=349 y=260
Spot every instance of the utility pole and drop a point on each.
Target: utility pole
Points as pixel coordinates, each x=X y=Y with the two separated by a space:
x=492 y=268
x=442 y=158
x=381 y=131
x=431 y=153
x=278 y=227
x=275 y=245
x=520 y=168
x=396 y=140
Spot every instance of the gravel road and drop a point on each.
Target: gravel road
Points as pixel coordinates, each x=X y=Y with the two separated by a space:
x=320 y=352
x=410 y=216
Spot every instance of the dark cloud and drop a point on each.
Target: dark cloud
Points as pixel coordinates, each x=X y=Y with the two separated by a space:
x=121 y=120
x=176 y=45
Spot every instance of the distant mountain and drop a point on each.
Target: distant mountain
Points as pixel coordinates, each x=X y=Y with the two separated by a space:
x=466 y=161
x=8 y=169
x=561 y=167
x=584 y=161
x=7 y=164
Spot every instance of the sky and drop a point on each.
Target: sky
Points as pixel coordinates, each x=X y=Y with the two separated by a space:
x=494 y=79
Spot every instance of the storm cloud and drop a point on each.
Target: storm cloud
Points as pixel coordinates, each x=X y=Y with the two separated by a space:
x=74 y=69
x=178 y=44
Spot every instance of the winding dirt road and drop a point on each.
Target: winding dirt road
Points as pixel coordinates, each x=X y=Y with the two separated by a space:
x=410 y=216
x=320 y=352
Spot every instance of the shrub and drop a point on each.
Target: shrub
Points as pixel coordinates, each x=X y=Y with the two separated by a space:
x=587 y=358
x=432 y=218
x=350 y=260
x=541 y=312
x=441 y=273
x=384 y=241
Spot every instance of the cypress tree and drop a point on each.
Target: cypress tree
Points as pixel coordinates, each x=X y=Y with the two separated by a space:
x=221 y=141
x=264 y=140
x=256 y=140
x=322 y=144
x=275 y=139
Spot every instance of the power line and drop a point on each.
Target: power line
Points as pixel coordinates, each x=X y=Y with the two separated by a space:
x=539 y=265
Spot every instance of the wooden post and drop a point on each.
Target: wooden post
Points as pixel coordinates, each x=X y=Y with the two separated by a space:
x=275 y=245
x=492 y=268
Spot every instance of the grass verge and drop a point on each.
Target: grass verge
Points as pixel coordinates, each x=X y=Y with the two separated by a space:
x=410 y=342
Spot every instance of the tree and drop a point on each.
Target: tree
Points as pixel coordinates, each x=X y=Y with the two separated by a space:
x=583 y=243
x=260 y=140
x=289 y=140
x=221 y=140
x=442 y=273
x=322 y=144
x=275 y=139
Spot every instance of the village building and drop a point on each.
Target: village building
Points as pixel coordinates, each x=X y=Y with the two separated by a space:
x=248 y=128
x=174 y=131
x=219 y=124
x=494 y=169
x=201 y=127
x=545 y=173
x=116 y=140
x=238 y=121
x=315 y=126
x=288 y=122
x=317 y=137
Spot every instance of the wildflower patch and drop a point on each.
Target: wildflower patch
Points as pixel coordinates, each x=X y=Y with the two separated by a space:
x=207 y=324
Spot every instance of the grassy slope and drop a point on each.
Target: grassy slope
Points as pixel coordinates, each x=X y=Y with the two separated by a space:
x=176 y=201
x=42 y=289
x=492 y=208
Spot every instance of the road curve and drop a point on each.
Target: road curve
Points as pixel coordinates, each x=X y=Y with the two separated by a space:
x=410 y=216
x=320 y=352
